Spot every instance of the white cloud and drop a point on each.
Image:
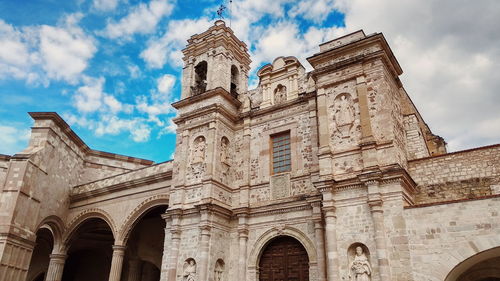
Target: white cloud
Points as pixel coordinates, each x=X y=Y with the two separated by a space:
x=104 y=5
x=13 y=139
x=135 y=71
x=168 y=47
x=165 y=83
x=66 y=50
x=450 y=59
x=142 y=18
x=313 y=10
x=91 y=97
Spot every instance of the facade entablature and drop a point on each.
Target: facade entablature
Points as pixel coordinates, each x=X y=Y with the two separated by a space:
x=140 y=177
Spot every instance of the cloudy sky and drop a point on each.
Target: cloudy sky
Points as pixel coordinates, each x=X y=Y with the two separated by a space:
x=112 y=67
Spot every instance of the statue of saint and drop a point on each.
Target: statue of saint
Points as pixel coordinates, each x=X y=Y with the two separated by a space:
x=190 y=270
x=280 y=94
x=360 y=267
x=198 y=150
x=218 y=271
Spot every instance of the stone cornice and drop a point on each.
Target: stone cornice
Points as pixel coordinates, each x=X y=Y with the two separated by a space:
x=361 y=43
x=66 y=129
x=208 y=94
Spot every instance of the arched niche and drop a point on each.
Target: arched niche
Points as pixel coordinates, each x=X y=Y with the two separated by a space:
x=189 y=270
x=280 y=94
x=219 y=270
x=360 y=266
x=224 y=150
x=198 y=150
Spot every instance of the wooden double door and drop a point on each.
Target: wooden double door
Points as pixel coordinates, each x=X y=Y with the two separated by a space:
x=284 y=259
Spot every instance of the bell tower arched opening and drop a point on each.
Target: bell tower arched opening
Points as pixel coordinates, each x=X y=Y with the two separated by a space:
x=235 y=73
x=200 y=78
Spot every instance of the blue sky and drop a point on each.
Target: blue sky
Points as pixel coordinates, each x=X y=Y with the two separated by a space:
x=111 y=68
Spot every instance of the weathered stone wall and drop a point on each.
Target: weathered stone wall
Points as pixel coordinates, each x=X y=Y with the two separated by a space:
x=460 y=175
x=414 y=138
x=4 y=165
x=442 y=236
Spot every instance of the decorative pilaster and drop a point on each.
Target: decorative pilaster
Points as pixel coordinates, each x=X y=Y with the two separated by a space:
x=204 y=247
x=331 y=243
x=166 y=248
x=117 y=263
x=56 y=267
x=174 y=253
x=243 y=245
x=375 y=202
x=320 y=245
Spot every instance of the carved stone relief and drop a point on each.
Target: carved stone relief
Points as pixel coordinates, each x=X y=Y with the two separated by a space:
x=280 y=186
x=189 y=273
x=344 y=114
x=360 y=268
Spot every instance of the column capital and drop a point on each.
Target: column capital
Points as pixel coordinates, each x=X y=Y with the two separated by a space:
x=119 y=248
x=376 y=205
x=58 y=257
x=329 y=211
x=242 y=232
x=205 y=229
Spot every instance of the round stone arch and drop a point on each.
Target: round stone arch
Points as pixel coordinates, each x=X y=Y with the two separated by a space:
x=84 y=216
x=266 y=237
x=136 y=214
x=472 y=260
x=55 y=225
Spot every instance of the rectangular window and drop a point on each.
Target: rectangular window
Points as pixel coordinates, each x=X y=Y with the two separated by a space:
x=281 y=153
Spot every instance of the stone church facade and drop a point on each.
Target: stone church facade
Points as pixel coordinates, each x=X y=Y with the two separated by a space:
x=324 y=175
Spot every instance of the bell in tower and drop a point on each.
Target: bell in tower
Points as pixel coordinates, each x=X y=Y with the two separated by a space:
x=215 y=59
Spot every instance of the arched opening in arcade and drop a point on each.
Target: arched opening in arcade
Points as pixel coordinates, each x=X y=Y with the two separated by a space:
x=484 y=266
x=284 y=258
x=145 y=247
x=41 y=255
x=89 y=252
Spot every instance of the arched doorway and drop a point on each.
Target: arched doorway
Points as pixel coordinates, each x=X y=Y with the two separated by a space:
x=145 y=247
x=90 y=252
x=484 y=266
x=284 y=259
x=41 y=255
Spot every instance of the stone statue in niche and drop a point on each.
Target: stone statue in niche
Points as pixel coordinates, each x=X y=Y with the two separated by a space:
x=224 y=150
x=360 y=267
x=219 y=270
x=279 y=94
x=198 y=152
x=189 y=273
x=344 y=114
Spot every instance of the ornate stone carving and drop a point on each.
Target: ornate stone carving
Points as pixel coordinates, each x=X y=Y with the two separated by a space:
x=198 y=152
x=189 y=273
x=280 y=186
x=219 y=270
x=344 y=114
x=360 y=267
x=279 y=94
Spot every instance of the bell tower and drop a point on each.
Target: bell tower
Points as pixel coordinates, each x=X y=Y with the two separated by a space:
x=215 y=59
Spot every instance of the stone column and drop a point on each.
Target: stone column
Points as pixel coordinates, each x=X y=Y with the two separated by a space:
x=204 y=247
x=331 y=244
x=320 y=245
x=56 y=267
x=134 y=270
x=242 y=260
x=117 y=263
